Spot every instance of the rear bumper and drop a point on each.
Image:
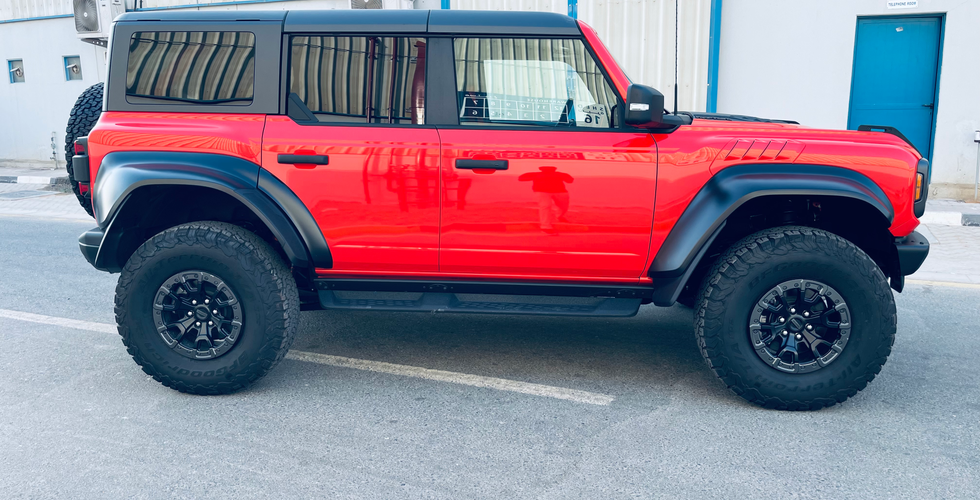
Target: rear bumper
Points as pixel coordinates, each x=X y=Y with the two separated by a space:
x=89 y=243
x=912 y=251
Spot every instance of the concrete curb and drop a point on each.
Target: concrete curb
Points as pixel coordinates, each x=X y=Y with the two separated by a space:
x=33 y=179
x=950 y=218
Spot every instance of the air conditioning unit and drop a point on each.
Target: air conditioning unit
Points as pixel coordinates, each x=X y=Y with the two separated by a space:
x=93 y=18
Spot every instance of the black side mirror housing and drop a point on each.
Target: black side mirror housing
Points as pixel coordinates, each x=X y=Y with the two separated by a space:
x=645 y=109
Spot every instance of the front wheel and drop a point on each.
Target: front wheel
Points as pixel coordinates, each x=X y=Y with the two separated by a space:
x=206 y=307
x=795 y=318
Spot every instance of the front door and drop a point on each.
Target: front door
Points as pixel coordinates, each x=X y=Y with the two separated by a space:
x=540 y=179
x=356 y=151
x=896 y=60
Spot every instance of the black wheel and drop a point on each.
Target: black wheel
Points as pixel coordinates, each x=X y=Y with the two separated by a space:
x=84 y=114
x=795 y=318
x=206 y=307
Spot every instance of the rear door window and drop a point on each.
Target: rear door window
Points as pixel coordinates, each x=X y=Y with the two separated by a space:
x=206 y=67
x=359 y=79
x=531 y=82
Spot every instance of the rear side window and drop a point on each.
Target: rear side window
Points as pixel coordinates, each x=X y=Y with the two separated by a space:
x=359 y=79
x=531 y=82
x=206 y=67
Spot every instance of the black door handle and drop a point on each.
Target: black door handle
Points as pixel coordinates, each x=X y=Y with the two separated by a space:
x=930 y=105
x=308 y=159
x=482 y=164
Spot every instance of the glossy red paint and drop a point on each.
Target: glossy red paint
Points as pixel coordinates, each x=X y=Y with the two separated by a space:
x=377 y=202
x=689 y=156
x=229 y=134
x=570 y=203
x=606 y=59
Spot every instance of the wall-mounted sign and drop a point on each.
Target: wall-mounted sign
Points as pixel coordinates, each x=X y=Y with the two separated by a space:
x=902 y=4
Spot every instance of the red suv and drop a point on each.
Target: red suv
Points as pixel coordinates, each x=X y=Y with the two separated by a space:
x=248 y=165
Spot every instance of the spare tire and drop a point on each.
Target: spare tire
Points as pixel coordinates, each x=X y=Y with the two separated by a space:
x=83 y=116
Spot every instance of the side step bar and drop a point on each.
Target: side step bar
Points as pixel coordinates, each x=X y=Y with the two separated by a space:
x=450 y=302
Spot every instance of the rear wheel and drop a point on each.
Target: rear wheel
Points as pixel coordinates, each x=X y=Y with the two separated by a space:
x=206 y=307
x=795 y=318
x=84 y=114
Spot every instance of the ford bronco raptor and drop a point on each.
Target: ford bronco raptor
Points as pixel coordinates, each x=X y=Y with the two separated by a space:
x=248 y=165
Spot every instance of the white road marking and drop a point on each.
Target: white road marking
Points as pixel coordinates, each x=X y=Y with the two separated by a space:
x=52 y=320
x=500 y=384
x=942 y=283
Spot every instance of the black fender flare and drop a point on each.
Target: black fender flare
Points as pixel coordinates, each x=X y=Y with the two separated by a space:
x=706 y=215
x=122 y=173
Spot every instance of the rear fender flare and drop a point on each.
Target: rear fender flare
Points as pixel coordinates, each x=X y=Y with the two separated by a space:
x=732 y=187
x=122 y=173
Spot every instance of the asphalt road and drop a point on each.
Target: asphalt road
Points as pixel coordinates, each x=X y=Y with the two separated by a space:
x=78 y=419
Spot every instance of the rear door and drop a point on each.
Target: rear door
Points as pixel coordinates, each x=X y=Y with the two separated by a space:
x=357 y=152
x=541 y=180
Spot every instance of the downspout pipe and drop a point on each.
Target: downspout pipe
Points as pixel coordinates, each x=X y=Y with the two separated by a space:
x=714 y=46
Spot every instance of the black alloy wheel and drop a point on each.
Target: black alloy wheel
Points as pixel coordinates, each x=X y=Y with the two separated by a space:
x=800 y=326
x=197 y=314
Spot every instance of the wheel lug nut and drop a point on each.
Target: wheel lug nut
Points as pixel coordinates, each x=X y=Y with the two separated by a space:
x=197 y=324
x=792 y=310
x=190 y=313
x=806 y=314
x=207 y=301
x=780 y=319
x=809 y=327
x=785 y=333
x=194 y=302
x=210 y=323
x=799 y=337
x=215 y=311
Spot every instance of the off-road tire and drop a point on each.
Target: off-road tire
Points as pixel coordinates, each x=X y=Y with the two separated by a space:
x=754 y=265
x=84 y=114
x=249 y=266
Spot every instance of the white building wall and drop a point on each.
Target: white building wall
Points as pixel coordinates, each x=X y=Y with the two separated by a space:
x=640 y=35
x=25 y=9
x=793 y=60
x=37 y=108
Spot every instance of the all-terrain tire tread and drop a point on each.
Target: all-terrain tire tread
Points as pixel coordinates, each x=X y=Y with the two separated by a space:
x=723 y=280
x=84 y=114
x=280 y=297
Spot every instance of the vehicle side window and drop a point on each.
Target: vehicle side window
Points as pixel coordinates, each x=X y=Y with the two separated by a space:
x=206 y=67
x=531 y=82
x=359 y=79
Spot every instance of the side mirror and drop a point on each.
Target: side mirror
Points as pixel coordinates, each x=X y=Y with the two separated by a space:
x=645 y=109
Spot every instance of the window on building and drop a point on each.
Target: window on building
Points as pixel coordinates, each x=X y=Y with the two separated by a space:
x=531 y=82
x=73 y=68
x=16 y=68
x=360 y=79
x=207 y=67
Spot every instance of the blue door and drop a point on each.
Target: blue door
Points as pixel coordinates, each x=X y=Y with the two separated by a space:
x=896 y=60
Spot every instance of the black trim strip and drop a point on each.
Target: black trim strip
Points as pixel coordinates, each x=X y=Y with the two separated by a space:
x=487 y=287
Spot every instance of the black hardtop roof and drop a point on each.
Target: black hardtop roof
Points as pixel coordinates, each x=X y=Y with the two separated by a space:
x=450 y=22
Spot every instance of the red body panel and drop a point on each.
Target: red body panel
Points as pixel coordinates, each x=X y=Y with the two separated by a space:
x=569 y=204
x=377 y=202
x=228 y=134
x=689 y=157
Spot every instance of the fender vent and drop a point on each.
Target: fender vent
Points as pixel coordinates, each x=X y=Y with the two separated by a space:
x=757 y=151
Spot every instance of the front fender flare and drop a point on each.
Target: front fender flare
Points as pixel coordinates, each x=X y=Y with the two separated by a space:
x=732 y=187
